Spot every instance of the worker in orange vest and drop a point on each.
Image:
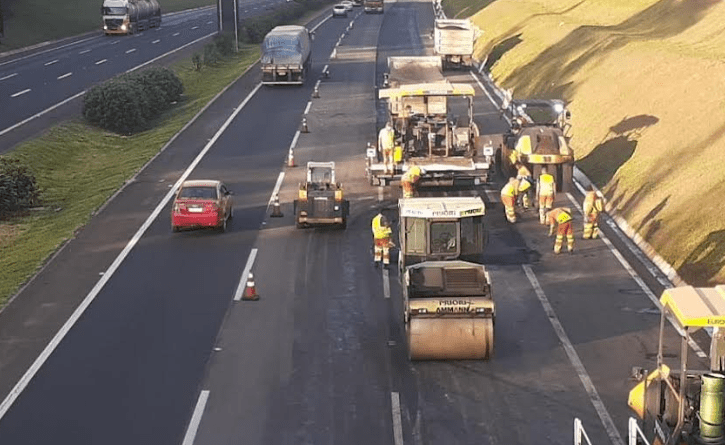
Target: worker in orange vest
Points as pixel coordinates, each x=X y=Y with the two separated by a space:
x=562 y=218
x=386 y=142
x=409 y=180
x=593 y=206
x=509 y=193
x=381 y=239
x=545 y=193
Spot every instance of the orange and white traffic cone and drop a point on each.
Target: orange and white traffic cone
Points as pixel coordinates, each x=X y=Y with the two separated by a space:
x=291 y=159
x=276 y=210
x=250 y=293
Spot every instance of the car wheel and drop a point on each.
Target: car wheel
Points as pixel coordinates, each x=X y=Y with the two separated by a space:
x=223 y=226
x=174 y=229
x=231 y=212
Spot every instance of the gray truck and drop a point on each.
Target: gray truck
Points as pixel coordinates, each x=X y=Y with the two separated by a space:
x=286 y=55
x=454 y=40
x=130 y=16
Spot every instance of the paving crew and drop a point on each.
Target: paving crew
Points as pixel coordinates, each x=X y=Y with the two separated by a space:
x=545 y=193
x=381 y=239
x=593 y=206
x=386 y=142
x=523 y=174
x=409 y=180
x=509 y=192
x=561 y=217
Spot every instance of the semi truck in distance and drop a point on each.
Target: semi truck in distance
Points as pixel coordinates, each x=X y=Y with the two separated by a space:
x=130 y=16
x=286 y=55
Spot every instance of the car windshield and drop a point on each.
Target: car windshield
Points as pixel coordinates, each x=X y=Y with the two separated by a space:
x=197 y=192
x=115 y=10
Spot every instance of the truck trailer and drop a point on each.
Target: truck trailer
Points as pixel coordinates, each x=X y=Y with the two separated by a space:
x=454 y=40
x=286 y=55
x=130 y=16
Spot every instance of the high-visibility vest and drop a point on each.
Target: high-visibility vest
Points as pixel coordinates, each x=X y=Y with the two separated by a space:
x=561 y=216
x=592 y=203
x=379 y=230
x=411 y=175
x=509 y=189
x=524 y=185
x=523 y=172
x=546 y=185
x=386 y=138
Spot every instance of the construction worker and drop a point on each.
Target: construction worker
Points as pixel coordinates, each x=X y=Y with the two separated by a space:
x=509 y=192
x=593 y=206
x=408 y=181
x=386 y=142
x=523 y=174
x=381 y=239
x=545 y=193
x=561 y=217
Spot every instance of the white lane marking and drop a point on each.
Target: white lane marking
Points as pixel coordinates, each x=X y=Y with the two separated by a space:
x=245 y=274
x=196 y=418
x=380 y=193
x=480 y=84
x=47 y=50
x=386 y=283
x=397 y=422
x=130 y=50
x=604 y=416
x=317 y=85
x=333 y=53
x=176 y=34
x=20 y=93
x=209 y=22
x=324 y=70
x=64 y=76
x=9 y=76
x=115 y=43
x=307 y=108
x=635 y=276
x=101 y=61
x=85 y=51
x=280 y=178
x=60 y=104
x=156 y=41
x=194 y=27
x=55 y=341
x=52 y=62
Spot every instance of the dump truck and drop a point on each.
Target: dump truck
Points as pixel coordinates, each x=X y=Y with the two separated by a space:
x=320 y=199
x=685 y=406
x=454 y=40
x=435 y=130
x=130 y=16
x=538 y=137
x=286 y=55
x=448 y=307
x=373 y=6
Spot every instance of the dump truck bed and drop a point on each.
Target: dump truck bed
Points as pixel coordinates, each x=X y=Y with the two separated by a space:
x=454 y=37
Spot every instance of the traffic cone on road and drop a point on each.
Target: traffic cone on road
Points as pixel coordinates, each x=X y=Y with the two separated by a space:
x=291 y=159
x=305 y=129
x=250 y=293
x=276 y=211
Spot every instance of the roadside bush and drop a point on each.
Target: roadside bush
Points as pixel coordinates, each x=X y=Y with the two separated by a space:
x=211 y=54
x=224 y=44
x=128 y=103
x=196 y=61
x=18 y=188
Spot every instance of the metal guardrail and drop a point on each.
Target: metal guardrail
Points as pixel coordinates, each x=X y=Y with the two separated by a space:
x=634 y=433
x=580 y=433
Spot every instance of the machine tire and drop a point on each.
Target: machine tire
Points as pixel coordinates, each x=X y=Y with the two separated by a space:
x=343 y=224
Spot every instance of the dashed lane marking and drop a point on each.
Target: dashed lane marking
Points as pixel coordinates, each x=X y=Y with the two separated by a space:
x=20 y=93
x=245 y=274
x=131 y=50
x=8 y=76
x=64 y=76
x=307 y=108
x=52 y=62
x=397 y=420
x=386 y=283
x=101 y=61
x=196 y=418
x=280 y=178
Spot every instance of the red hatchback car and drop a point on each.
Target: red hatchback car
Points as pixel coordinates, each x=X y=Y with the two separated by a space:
x=201 y=203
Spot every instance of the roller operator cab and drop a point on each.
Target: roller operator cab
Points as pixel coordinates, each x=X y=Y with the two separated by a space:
x=320 y=199
x=130 y=16
x=449 y=310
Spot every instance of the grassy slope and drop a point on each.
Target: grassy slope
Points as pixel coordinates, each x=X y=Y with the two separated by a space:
x=644 y=79
x=33 y=21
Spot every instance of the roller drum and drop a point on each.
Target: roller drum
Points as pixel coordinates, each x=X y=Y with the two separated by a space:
x=449 y=338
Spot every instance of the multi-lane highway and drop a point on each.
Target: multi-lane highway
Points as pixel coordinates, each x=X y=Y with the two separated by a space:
x=161 y=353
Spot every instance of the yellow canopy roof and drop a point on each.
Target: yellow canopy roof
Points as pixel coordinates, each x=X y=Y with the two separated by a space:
x=696 y=306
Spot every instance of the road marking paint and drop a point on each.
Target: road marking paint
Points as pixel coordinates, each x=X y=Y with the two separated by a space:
x=280 y=178
x=194 y=27
x=115 y=43
x=52 y=62
x=85 y=51
x=64 y=76
x=604 y=416
x=333 y=53
x=20 y=93
x=101 y=61
x=175 y=34
x=245 y=275
x=55 y=341
x=9 y=76
x=307 y=108
x=196 y=418
x=130 y=50
x=380 y=193
x=156 y=41
x=209 y=22
x=175 y=50
x=397 y=421
x=320 y=24
x=386 y=283
x=47 y=50
x=635 y=276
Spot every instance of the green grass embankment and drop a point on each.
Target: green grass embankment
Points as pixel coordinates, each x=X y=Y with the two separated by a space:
x=644 y=79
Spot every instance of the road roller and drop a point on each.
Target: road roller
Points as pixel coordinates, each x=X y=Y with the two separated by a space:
x=685 y=406
x=449 y=310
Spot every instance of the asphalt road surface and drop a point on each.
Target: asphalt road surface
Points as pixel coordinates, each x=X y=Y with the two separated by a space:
x=163 y=354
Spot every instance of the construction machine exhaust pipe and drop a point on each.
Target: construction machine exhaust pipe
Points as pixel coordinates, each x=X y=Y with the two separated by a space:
x=711 y=408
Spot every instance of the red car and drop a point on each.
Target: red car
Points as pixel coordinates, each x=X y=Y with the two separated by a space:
x=201 y=203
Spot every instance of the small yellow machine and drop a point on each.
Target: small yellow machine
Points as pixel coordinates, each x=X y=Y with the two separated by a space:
x=685 y=406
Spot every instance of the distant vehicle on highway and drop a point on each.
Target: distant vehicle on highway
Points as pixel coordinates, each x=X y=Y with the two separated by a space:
x=347 y=4
x=373 y=6
x=357 y=2
x=201 y=203
x=339 y=10
x=286 y=55
x=129 y=17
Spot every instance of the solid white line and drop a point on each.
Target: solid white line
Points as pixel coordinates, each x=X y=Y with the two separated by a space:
x=35 y=367
x=294 y=140
x=320 y=24
x=483 y=87
x=101 y=61
x=604 y=416
x=196 y=418
x=20 y=93
x=245 y=274
x=64 y=76
x=173 y=51
x=176 y=34
x=386 y=283
x=9 y=76
x=276 y=188
x=397 y=422
x=48 y=50
x=52 y=62
x=156 y=41
x=131 y=50
x=195 y=27
x=307 y=108
x=85 y=51
x=637 y=279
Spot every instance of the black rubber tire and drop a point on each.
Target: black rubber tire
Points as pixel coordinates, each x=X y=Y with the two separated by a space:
x=174 y=229
x=231 y=212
